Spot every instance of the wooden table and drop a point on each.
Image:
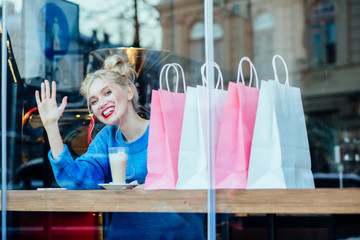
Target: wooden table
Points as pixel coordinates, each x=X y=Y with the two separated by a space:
x=304 y=201
x=269 y=202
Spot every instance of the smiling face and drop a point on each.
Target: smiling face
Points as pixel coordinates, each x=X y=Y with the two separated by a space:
x=108 y=101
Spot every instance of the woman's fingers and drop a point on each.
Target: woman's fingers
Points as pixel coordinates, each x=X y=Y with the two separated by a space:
x=47 y=89
x=37 y=98
x=63 y=104
x=53 y=92
x=43 y=96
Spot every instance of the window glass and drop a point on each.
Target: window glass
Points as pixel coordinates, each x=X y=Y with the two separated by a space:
x=323 y=32
x=317 y=40
x=63 y=41
x=197 y=42
x=263 y=42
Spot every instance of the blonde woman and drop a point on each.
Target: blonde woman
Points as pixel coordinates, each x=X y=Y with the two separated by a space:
x=112 y=97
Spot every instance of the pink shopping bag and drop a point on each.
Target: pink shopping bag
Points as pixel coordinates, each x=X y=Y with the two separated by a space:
x=236 y=131
x=166 y=116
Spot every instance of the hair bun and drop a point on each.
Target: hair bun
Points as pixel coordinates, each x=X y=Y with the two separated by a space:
x=116 y=63
x=120 y=65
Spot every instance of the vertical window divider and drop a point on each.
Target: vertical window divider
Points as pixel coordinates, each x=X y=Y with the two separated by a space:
x=3 y=119
x=209 y=59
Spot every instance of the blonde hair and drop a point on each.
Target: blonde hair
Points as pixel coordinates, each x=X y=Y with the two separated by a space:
x=117 y=70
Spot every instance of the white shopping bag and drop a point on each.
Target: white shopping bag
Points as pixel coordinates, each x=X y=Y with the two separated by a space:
x=280 y=155
x=192 y=164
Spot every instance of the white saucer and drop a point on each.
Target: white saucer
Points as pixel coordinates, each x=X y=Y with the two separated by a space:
x=113 y=186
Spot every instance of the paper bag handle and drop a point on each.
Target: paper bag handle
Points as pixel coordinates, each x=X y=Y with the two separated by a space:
x=252 y=69
x=220 y=77
x=167 y=67
x=275 y=72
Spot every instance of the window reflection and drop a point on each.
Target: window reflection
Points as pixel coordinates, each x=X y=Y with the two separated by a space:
x=263 y=43
x=318 y=38
x=322 y=32
x=197 y=42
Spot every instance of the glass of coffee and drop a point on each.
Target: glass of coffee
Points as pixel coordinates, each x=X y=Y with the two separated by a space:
x=118 y=157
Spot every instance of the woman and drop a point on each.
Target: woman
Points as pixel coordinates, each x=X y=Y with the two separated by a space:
x=113 y=99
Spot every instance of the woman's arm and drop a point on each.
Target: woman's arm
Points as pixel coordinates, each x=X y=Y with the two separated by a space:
x=88 y=170
x=50 y=114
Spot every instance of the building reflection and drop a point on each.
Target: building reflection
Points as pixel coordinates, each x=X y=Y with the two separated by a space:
x=317 y=38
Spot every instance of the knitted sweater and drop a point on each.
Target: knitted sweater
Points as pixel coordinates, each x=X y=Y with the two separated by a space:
x=92 y=168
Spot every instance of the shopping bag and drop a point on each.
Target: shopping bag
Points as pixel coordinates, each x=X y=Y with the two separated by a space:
x=192 y=165
x=166 y=115
x=236 y=131
x=280 y=155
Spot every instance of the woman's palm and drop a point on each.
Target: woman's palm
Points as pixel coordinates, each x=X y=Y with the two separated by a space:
x=47 y=105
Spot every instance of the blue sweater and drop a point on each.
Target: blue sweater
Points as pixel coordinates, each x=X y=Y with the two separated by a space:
x=92 y=168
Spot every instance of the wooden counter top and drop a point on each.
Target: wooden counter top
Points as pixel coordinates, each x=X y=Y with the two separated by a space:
x=302 y=201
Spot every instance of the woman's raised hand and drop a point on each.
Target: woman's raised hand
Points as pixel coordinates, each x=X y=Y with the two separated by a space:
x=47 y=106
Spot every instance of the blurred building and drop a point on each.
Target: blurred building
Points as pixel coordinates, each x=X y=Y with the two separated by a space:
x=184 y=31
